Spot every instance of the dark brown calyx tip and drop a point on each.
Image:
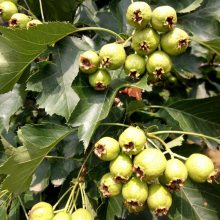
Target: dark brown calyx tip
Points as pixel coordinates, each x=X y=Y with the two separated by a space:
x=214 y=176
x=104 y=190
x=120 y=179
x=144 y=46
x=99 y=150
x=1 y=11
x=85 y=62
x=100 y=86
x=139 y=172
x=159 y=73
x=175 y=185
x=137 y=18
x=133 y=205
x=13 y=22
x=134 y=74
x=106 y=62
x=161 y=211
x=183 y=43
x=129 y=146
x=169 y=22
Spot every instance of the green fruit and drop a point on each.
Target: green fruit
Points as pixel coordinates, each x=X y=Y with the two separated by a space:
x=145 y=41
x=7 y=9
x=41 y=211
x=107 y=148
x=82 y=214
x=62 y=216
x=175 y=174
x=134 y=66
x=108 y=187
x=175 y=42
x=13 y=1
x=149 y=164
x=200 y=168
x=112 y=56
x=159 y=64
x=100 y=80
x=33 y=23
x=121 y=168
x=135 y=194
x=89 y=62
x=159 y=199
x=132 y=140
x=19 y=20
x=138 y=14
x=163 y=18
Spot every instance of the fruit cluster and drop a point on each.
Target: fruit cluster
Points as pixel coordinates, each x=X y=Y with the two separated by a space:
x=143 y=175
x=44 y=211
x=154 y=39
x=9 y=12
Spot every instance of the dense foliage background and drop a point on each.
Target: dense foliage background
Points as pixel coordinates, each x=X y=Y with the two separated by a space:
x=50 y=117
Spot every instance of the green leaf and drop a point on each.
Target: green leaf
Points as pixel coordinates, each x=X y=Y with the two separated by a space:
x=54 y=80
x=192 y=7
x=38 y=141
x=176 y=142
x=195 y=115
x=197 y=202
x=10 y=102
x=19 y=47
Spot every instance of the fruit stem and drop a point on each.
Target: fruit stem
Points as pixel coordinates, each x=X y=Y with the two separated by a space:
x=28 y=11
x=187 y=133
x=179 y=156
x=23 y=207
x=150 y=135
x=82 y=196
x=73 y=205
x=115 y=124
x=126 y=41
x=41 y=10
x=99 y=29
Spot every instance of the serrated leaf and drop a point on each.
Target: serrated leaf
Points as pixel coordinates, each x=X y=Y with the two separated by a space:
x=54 y=79
x=193 y=6
x=38 y=141
x=19 y=47
x=10 y=102
x=176 y=142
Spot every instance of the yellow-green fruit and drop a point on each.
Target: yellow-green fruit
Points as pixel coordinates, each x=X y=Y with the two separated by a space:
x=19 y=20
x=33 y=23
x=112 y=56
x=159 y=199
x=82 y=214
x=41 y=211
x=200 y=168
x=62 y=216
x=138 y=14
x=13 y=1
x=7 y=9
x=163 y=18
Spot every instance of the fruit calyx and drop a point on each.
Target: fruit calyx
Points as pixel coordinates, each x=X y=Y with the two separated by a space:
x=144 y=46
x=105 y=190
x=133 y=205
x=183 y=43
x=100 y=150
x=175 y=185
x=169 y=21
x=139 y=172
x=161 y=211
x=137 y=18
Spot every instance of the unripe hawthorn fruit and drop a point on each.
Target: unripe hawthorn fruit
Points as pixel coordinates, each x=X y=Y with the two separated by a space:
x=132 y=140
x=121 y=168
x=149 y=164
x=7 y=9
x=175 y=42
x=138 y=14
x=159 y=199
x=89 y=62
x=107 y=148
x=134 y=66
x=163 y=18
x=41 y=211
x=200 y=168
x=100 y=80
x=33 y=23
x=108 y=187
x=159 y=64
x=175 y=174
x=145 y=41
x=112 y=56
x=62 y=216
x=135 y=193
x=82 y=214
x=19 y=20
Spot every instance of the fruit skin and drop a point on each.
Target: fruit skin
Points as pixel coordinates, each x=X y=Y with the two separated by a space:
x=175 y=174
x=121 y=168
x=163 y=18
x=138 y=14
x=145 y=41
x=135 y=193
x=19 y=20
x=82 y=214
x=134 y=66
x=175 y=42
x=200 y=167
x=100 y=80
x=107 y=148
x=89 y=62
x=108 y=187
x=159 y=199
x=41 y=211
x=13 y=1
x=112 y=56
x=62 y=216
x=146 y=165
x=7 y=9
x=159 y=64
x=33 y=23
x=132 y=140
